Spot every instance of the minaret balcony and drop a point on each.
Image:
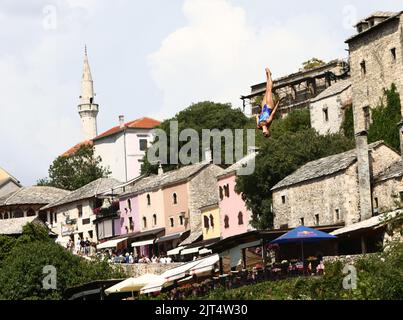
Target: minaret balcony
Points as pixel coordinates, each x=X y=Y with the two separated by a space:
x=88 y=107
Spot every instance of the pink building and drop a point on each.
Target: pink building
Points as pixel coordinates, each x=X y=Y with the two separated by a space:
x=234 y=216
x=129 y=215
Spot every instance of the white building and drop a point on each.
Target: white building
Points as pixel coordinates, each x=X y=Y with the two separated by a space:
x=123 y=147
x=72 y=217
x=327 y=109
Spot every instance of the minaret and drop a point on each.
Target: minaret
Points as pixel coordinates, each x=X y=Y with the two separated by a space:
x=87 y=109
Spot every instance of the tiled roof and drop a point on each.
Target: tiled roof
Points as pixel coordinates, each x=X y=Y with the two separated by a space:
x=74 y=149
x=5 y=176
x=14 y=226
x=33 y=195
x=238 y=165
x=165 y=179
x=142 y=123
x=378 y=14
x=194 y=236
x=322 y=167
x=334 y=89
x=394 y=171
x=88 y=191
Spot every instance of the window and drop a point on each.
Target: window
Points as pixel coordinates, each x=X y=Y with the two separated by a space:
x=367 y=117
x=175 y=198
x=240 y=218
x=144 y=222
x=18 y=213
x=30 y=213
x=284 y=226
x=316 y=219
x=211 y=221
x=154 y=219
x=51 y=218
x=143 y=144
x=55 y=217
x=301 y=221
x=376 y=203
x=80 y=210
x=181 y=220
x=148 y=199
x=393 y=52
x=221 y=193
x=326 y=114
x=129 y=204
x=86 y=221
x=338 y=215
x=131 y=224
x=363 y=68
x=172 y=222
x=90 y=234
x=226 y=190
x=6 y=215
x=401 y=196
x=206 y=222
x=283 y=199
x=226 y=222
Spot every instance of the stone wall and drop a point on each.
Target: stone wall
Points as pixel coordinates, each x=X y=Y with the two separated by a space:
x=321 y=196
x=138 y=269
x=334 y=106
x=374 y=47
x=202 y=192
x=386 y=194
x=350 y=259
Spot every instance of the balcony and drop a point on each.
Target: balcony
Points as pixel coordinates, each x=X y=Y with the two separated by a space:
x=107 y=210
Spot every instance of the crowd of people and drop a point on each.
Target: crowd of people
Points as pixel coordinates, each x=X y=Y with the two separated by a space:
x=81 y=247
x=130 y=258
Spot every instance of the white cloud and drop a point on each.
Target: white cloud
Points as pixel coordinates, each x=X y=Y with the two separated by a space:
x=219 y=54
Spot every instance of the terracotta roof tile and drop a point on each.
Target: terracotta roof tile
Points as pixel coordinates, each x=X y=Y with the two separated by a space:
x=142 y=123
x=74 y=149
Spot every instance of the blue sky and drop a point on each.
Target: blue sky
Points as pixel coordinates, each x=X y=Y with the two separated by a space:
x=148 y=58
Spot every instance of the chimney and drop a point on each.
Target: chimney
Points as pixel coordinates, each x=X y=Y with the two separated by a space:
x=364 y=175
x=160 y=170
x=208 y=158
x=121 y=121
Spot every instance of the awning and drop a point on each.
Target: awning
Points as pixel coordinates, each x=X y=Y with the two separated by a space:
x=110 y=243
x=205 y=251
x=170 y=237
x=133 y=284
x=175 y=251
x=205 y=265
x=190 y=250
x=142 y=243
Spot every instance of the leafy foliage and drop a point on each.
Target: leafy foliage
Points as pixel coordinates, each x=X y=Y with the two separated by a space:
x=76 y=170
x=385 y=119
x=312 y=63
x=21 y=270
x=347 y=126
x=202 y=115
x=379 y=277
x=293 y=144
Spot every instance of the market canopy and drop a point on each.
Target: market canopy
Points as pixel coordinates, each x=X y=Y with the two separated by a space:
x=110 y=244
x=142 y=243
x=133 y=284
x=302 y=234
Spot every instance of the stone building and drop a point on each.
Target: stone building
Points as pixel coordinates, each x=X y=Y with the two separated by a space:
x=376 y=61
x=388 y=189
x=27 y=201
x=298 y=88
x=328 y=108
x=327 y=191
x=8 y=183
x=85 y=213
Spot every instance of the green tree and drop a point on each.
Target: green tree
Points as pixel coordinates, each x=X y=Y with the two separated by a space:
x=76 y=170
x=385 y=119
x=21 y=273
x=347 y=126
x=202 y=115
x=293 y=144
x=312 y=63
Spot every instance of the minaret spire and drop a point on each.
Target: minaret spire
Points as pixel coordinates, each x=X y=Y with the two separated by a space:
x=87 y=109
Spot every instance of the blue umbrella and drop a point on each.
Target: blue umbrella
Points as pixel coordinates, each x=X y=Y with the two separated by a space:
x=302 y=234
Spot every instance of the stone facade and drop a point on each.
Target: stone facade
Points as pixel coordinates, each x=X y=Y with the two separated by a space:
x=328 y=199
x=202 y=192
x=327 y=110
x=376 y=61
x=138 y=269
